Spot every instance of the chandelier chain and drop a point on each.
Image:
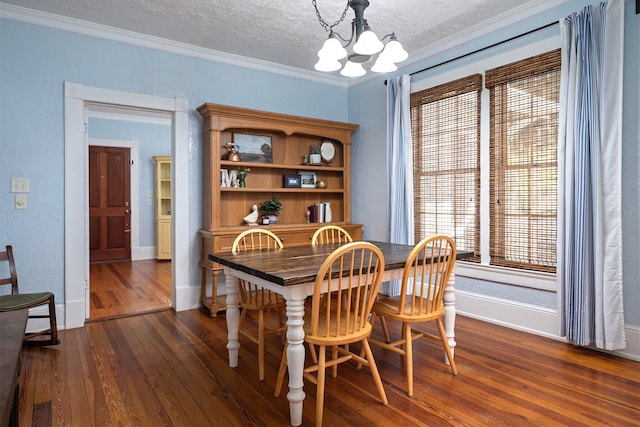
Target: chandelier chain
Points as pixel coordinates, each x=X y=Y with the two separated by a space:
x=324 y=23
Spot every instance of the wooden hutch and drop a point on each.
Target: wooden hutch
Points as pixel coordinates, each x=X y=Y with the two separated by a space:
x=290 y=137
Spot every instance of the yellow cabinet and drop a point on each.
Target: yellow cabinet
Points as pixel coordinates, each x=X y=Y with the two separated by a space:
x=163 y=206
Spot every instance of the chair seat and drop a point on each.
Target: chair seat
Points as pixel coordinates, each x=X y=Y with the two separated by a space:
x=389 y=307
x=346 y=336
x=20 y=301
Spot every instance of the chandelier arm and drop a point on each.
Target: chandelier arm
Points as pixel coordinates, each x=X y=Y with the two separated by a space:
x=324 y=23
x=346 y=41
x=387 y=36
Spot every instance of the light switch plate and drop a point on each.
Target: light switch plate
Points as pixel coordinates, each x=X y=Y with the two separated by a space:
x=19 y=185
x=21 y=201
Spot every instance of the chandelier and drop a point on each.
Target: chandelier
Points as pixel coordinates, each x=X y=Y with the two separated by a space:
x=366 y=46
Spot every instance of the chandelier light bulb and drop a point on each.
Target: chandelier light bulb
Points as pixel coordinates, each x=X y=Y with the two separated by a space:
x=383 y=64
x=394 y=51
x=368 y=44
x=332 y=49
x=353 y=69
x=327 y=64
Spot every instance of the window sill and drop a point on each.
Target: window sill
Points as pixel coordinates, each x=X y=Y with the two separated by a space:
x=509 y=276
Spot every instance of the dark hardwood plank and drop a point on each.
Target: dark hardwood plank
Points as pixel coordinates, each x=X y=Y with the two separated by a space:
x=80 y=409
x=167 y=368
x=42 y=414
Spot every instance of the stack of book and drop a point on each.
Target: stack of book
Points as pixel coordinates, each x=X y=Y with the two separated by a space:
x=320 y=212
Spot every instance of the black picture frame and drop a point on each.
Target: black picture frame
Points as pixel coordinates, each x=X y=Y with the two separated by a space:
x=292 y=181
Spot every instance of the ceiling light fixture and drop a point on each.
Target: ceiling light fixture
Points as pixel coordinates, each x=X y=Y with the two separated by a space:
x=366 y=46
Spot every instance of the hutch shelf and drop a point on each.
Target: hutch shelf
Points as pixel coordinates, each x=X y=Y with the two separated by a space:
x=271 y=145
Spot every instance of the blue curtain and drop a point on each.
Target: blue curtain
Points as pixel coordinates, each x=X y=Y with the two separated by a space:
x=400 y=167
x=589 y=269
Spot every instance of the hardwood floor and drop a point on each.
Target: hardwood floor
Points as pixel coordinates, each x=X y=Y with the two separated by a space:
x=129 y=287
x=167 y=368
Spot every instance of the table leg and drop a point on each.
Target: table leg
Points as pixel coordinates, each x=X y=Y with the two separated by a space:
x=449 y=319
x=233 y=317
x=295 y=357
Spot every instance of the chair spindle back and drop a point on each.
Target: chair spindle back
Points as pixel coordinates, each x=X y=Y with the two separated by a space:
x=330 y=234
x=426 y=274
x=353 y=272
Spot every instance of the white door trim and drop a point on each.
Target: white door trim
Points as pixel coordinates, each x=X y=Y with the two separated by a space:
x=76 y=236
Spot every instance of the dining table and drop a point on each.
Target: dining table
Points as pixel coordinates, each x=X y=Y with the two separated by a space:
x=12 y=327
x=291 y=272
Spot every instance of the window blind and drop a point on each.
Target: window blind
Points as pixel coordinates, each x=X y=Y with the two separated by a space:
x=445 y=124
x=524 y=104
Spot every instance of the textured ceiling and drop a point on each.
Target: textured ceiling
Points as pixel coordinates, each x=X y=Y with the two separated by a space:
x=280 y=31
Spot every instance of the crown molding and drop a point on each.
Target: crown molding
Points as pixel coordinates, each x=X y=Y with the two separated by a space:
x=63 y=23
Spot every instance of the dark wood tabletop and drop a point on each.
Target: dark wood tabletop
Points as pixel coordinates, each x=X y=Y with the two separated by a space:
x=299 y=264
x=12 y=327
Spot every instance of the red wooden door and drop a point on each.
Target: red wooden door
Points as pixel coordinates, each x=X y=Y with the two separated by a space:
x=109 y=207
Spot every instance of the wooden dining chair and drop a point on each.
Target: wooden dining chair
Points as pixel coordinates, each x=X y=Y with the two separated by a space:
x=330 y=234
x=254 y=298
x=325 y=235
x=345 y=320
x=420 y=300
x=19 y=301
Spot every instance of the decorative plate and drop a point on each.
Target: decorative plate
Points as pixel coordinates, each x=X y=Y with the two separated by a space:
x=327 y=151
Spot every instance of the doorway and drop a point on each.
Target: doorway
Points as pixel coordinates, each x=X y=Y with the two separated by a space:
x=78 y=100
x=125 y=281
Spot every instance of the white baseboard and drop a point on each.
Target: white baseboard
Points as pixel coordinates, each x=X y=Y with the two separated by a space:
x=529 y=318
x=187 y=298
x=632 y=351
x=523 y=317
x=34 y=325
x=147 y=252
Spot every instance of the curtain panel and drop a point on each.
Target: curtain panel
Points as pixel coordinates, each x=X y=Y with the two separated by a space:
x=589 y=269
x=400 y=167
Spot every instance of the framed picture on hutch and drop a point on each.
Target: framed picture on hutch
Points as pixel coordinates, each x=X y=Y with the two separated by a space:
x=307 y=179
x=254 y=148
x=292 y=181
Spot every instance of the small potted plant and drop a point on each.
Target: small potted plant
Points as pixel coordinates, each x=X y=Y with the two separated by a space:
x=271 y=209
x=314 y=154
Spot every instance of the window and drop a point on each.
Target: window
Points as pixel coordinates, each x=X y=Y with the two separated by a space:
x=445 y=124
x=524 y=103
x=519 y=138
